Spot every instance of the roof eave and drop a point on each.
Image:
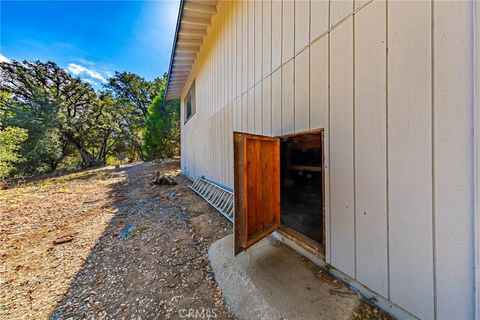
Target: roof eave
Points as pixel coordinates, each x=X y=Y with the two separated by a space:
x=194 y=19
x=174 y=46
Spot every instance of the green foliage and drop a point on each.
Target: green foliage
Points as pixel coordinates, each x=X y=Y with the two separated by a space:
x=52 y=98
x=135 y=90
x=134 y=95
x=44 y=148
x=11 y=139
x=112 y=161
x=162 y=128
x=70 y=125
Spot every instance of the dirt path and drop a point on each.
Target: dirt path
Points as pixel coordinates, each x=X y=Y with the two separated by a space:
x=132 y=250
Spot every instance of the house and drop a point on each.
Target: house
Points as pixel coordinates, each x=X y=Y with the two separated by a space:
x=349 y=126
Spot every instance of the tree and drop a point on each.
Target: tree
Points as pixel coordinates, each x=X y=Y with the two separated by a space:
x=162 y=128
x=44 y=148
x=69 y=124
x=154 y=130
x=135 y=90
x=109 y=128
x=45 y=88
x=11 y=139
x=134 y=95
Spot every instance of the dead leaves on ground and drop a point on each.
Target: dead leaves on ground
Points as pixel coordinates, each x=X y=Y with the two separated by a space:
x=46 y=232
x=60 y=247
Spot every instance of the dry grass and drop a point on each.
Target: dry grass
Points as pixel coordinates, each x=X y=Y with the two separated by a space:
x=34 y=272
x=62 y=255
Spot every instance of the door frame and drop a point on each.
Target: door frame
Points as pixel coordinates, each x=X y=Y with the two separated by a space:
x=296 y=236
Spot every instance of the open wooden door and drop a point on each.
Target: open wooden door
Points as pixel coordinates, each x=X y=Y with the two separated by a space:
x=257 y=188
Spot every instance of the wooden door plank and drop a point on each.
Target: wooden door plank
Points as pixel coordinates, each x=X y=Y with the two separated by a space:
x=250 y=182
x=267 y=185
x=239 y=196
x=257 y=188
x=259 y=205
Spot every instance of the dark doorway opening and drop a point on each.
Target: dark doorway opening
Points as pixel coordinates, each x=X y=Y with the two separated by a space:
x=302 y=185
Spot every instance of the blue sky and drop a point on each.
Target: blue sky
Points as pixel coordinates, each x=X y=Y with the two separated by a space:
x=91 y=39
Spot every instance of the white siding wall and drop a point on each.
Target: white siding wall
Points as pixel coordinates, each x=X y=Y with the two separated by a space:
x=371 y=147
x=410 y=156
x=453 y=153
x=342 y=176
x=397 y=124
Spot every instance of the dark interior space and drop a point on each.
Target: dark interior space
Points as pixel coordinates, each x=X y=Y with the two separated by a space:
x=302 y=184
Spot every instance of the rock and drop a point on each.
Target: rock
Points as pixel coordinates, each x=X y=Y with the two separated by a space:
x=160 y=179
x=3 y=185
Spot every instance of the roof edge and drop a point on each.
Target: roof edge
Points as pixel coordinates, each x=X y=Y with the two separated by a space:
x=174 y=46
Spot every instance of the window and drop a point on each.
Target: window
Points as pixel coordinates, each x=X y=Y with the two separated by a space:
x=190 y=102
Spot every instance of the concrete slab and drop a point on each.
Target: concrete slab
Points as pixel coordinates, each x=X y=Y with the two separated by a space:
x=271 y=281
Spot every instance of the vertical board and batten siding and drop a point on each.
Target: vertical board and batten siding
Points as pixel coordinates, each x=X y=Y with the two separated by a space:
x=288 y=30
x=267 y=106
x=302 y=91
x=319 y=111
x=342 y=179
x=410 y=156
x=258 y=41
x=277 y=102
x=288 y=98
x=371 y=147
x=266 y=38
x=302 y=25
x=251 y=45
x=397 y=123
x=258 y=109
x=276 y=59
x=453 y=153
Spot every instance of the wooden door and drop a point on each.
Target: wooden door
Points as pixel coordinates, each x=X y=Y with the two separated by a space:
x=257 y=188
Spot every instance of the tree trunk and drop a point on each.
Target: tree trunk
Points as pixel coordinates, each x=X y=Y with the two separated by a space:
x=54 y=165
x=140 y=153
x=88 y=159
x=138 y=150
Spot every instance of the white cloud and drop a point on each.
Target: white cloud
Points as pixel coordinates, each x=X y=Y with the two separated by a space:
x=4 y=59
x=76 y=70
x=93 y=83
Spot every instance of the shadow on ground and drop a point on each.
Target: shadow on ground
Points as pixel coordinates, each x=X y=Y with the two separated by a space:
x=151 y=261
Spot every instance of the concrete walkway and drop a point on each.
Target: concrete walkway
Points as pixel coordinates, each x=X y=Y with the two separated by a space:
x=271 y=281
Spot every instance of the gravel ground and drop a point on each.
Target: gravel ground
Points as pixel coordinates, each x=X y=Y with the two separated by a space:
x=107 y=244
x=133 y=250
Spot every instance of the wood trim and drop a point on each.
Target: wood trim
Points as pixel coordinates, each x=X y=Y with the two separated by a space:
x=192 y=92
x=320 y=130
x=303 y=241
x=189 y=42
x=245 y=193
x=307 y=168
x=192 y=32
x=238 y=171
x=196 y=21
x=198 y=7
x=260 y=235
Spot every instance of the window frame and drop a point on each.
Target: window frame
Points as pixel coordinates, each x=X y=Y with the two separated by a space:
x=191 y=95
